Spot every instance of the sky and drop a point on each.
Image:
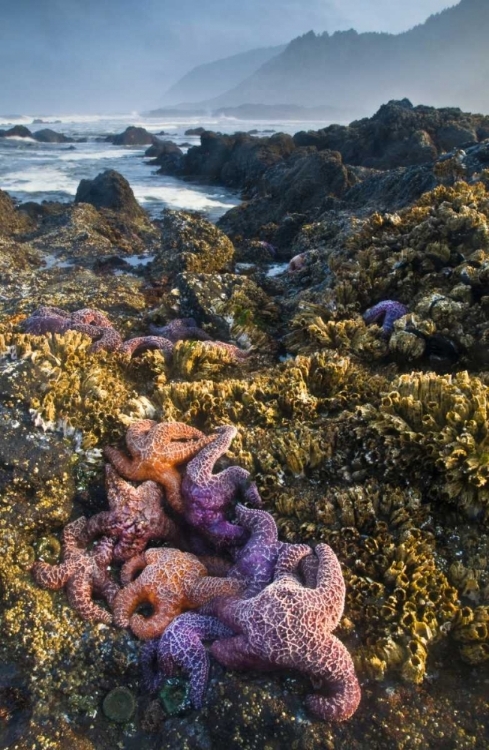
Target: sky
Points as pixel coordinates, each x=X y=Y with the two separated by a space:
x=109 y=56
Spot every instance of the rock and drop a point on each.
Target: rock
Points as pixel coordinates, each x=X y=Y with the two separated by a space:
x=194 y=131
x=51 y=136
x=18 y=130
x=191 y=243
x=12 y=221
x=110 y=190
x=132 y=136
x=167 y=155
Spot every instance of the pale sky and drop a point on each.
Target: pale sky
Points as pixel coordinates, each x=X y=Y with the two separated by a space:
x=61 y=56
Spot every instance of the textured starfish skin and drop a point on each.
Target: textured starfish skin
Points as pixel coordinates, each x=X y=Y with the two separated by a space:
x=180 y=329
x=142 y=343
x=181 y=646
x=288 y=625
x=82 y=572
x=135 y=516
x=91 y=322
x=155 y=451
x=172 y=582
x=187 y=328
x=388 y=311
x=207 y=496
x=255 y=562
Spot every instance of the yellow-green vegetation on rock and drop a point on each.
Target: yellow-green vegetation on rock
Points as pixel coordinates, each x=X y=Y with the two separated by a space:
x=471 y=629
x=68 y=388
x=191 y=243
x=431 y=256
x=435 y=427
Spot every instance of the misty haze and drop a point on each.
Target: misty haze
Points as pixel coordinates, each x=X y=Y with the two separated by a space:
x=244 y=375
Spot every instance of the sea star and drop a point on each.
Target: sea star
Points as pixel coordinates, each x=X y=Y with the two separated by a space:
x=82 y=572
x=255 y=562
x=181 y=646
x=288 y=625
x=207 y=496
x=180 y=329
x=93 y=323
x=156 y=450
x=135 y=516
x=187 y=328
x=142 y=343
x=171 y=581
x=388 y=311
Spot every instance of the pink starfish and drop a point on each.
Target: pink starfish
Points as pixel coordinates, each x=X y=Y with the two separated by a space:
x=289 y=625
x=82 y=572
x=135 y=516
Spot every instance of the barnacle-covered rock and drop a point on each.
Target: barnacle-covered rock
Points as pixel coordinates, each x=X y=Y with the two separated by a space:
x=471 y=629
x=191 y=243
x=67 y=388
x=437 y=425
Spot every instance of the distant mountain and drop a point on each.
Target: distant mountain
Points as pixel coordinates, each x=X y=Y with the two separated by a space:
x=211 y=80
x=444 y=61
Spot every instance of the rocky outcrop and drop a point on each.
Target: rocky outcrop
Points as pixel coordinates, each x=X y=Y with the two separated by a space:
x=399 y=135
x=46 y=135
x=191 y=243
x=12 y=221
x=18 y=131
x=110 y=190
x=132 y=136
x=166 y=155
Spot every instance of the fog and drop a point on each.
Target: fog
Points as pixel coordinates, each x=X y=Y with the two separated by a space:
x=62 y=56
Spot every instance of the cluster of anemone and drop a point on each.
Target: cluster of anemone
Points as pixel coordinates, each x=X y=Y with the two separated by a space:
x=269 y=604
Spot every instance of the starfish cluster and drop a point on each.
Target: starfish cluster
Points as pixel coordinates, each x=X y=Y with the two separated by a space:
x=97 y=326
x=264 y=603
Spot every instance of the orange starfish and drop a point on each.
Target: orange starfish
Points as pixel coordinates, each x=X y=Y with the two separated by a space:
x=156 y=449
x=171 y=582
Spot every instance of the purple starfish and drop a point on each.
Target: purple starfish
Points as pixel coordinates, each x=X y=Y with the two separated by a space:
x=207 y=496
x=255 y=562
x=180 y=329
x=142 y=343
x=181 y=646
x=289 y=625
x=388 y=311
x=135 y=516
x=93 y=323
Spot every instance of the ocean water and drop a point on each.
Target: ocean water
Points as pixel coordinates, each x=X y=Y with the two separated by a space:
x=42 y=171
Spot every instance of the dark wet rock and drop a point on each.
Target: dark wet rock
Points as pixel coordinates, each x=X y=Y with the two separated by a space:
x=237 y=160
x=191 y=243
x=132 y=136
x=308 y=182
x=399 y=134
x=194 y=131
x=166 y=155
x=46 y=135
x=232 y=307
x=110 y=190
x=20 y=131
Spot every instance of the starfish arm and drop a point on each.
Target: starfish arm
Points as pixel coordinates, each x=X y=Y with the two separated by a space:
x=136 y=432
x=195 y=662
x=132 y=567
x=165 y=529
x=223 y=533
x=100 y=525
x=331 y=583
x=260 y=523
x=171 y=431
x=151 y=673
x=142 y=343
x=166 y=608
x=89 y=316
x=129 y=467
x=51 y=576
x=206 y=588
x=200 y=468
x=236 y=653
x=288 y=560
x=338 y=673
x=79 y=593
x=106 y=587
x=126 y=601
x=171 y=481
